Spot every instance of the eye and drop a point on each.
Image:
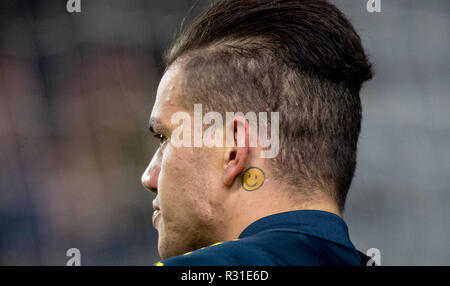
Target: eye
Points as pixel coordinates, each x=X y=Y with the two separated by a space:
x=161 y=138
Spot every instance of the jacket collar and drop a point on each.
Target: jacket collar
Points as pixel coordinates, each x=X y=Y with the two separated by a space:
x=321 y=224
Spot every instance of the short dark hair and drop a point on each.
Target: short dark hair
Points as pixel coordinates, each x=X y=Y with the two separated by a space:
x=301 y=58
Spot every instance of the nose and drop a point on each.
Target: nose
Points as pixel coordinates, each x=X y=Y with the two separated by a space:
x=150 y=176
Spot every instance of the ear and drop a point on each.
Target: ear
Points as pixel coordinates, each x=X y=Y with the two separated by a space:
x=236 y=156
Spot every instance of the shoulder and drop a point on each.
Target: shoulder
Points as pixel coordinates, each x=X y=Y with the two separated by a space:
x=220 y=253
x=271 y=248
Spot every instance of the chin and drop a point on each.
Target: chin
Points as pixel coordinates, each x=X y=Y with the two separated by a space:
x=167 y=249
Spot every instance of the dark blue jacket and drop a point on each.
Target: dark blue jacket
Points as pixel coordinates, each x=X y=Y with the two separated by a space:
x=304 y=237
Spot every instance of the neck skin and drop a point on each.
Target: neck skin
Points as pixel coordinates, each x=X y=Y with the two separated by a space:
x=248 y=207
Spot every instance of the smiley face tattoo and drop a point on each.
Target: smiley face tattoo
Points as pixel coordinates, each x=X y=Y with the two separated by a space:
x=252 y=179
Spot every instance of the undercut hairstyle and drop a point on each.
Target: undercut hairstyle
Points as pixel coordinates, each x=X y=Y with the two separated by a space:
x=301 y=58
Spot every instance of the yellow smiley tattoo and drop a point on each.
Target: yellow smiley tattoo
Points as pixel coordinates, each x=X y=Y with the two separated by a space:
x=252 y=179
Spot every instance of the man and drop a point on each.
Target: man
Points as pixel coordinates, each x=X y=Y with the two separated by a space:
x=226 y=204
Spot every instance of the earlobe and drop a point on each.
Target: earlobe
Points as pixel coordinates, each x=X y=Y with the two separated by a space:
x=236 y=157
x=235 y=166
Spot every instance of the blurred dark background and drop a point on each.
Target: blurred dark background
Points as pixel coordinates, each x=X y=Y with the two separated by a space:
x=76 y=91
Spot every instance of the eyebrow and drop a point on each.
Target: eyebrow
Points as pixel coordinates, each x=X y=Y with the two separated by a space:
x=156 y=126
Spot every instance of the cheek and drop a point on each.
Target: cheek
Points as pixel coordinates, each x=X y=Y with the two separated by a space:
x=187 y=182
x=175 y=181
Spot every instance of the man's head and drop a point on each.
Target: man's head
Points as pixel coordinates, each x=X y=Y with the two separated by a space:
x=300 y=58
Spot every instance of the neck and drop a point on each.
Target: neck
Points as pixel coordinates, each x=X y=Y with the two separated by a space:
x=248 y=208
